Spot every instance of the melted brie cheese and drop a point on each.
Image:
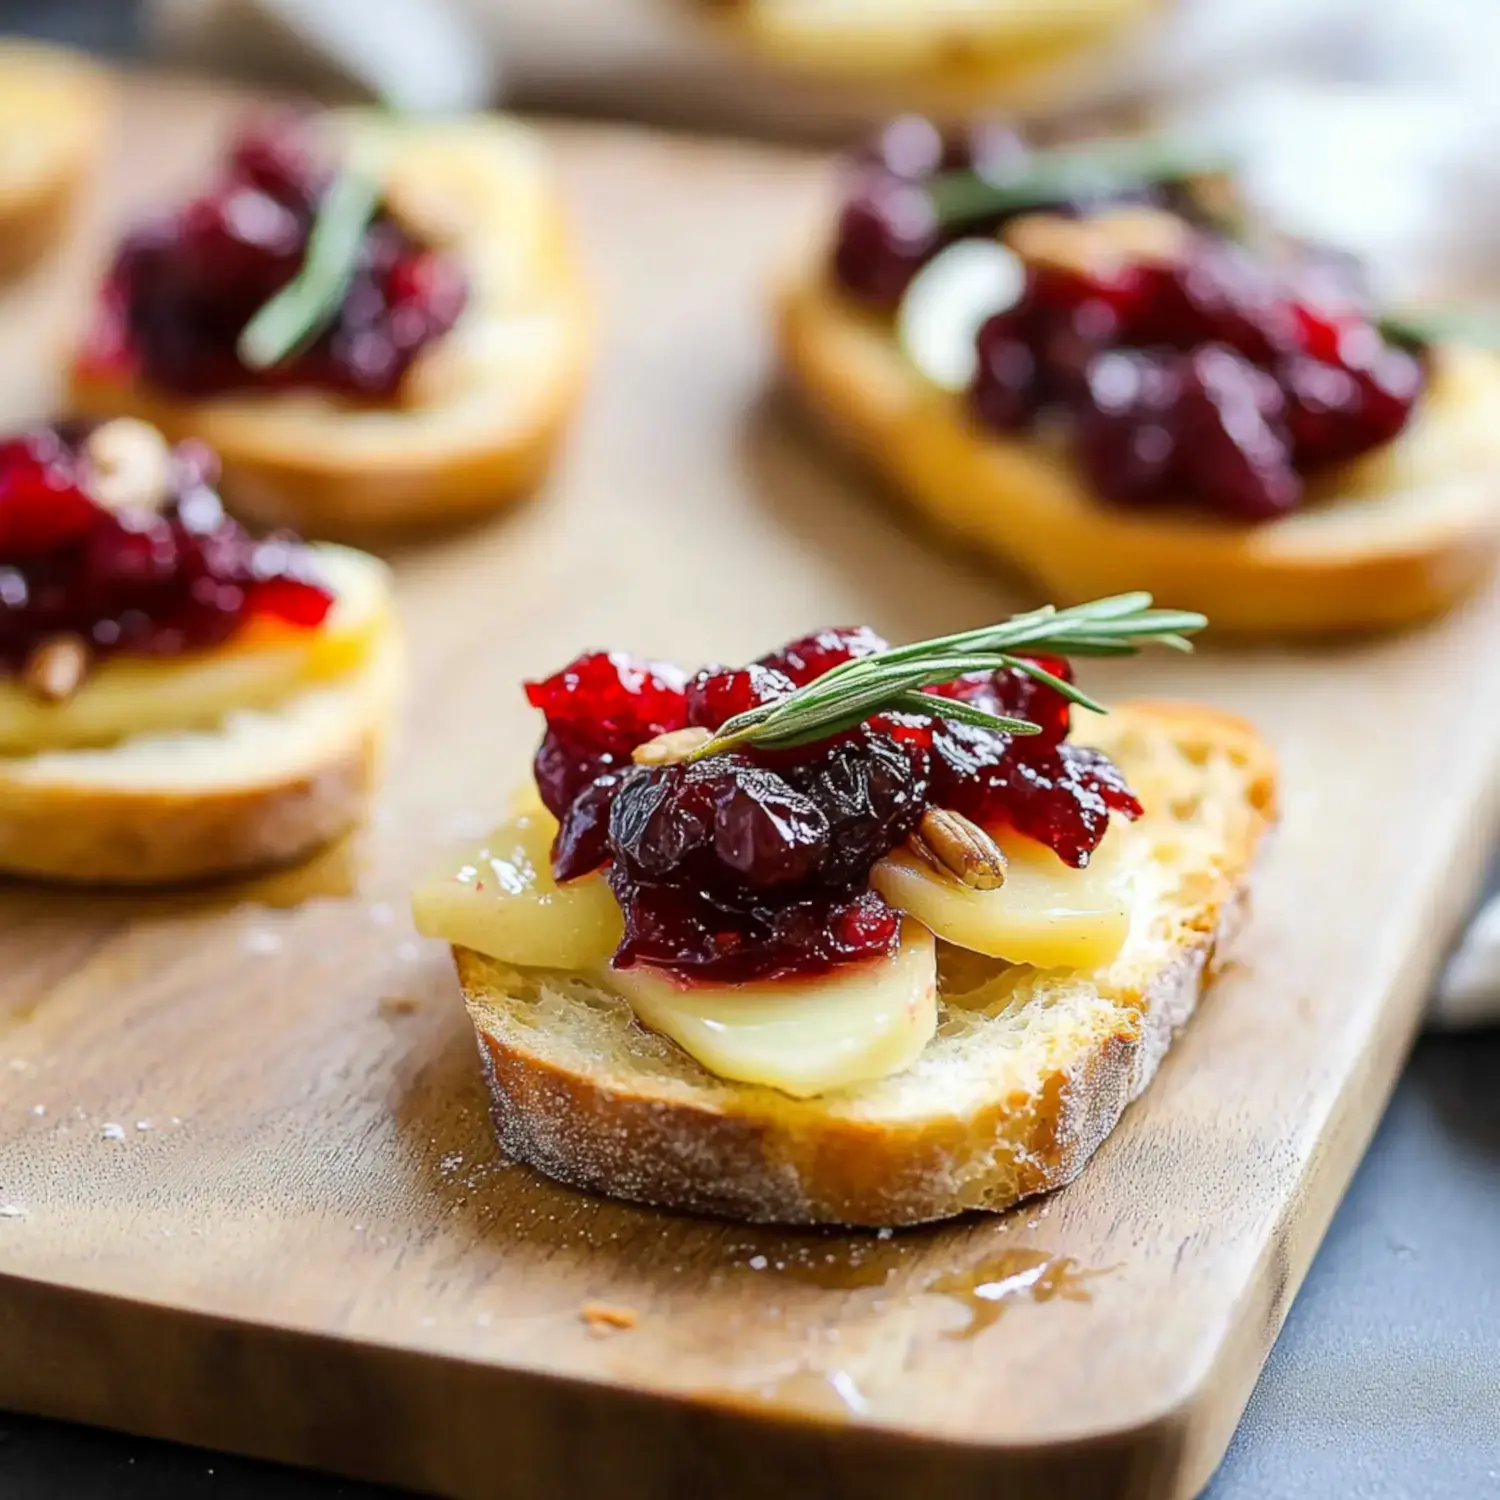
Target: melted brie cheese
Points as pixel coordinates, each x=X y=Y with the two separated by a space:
x=802 y=1036
x=1047 y=913
x=502 y=901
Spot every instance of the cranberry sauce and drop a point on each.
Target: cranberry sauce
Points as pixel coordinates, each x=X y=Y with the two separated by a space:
x=183 y=287
x=155 y=579
x=888 y=228
x=753 y=864
x=1211 y=376
x=1206 y=378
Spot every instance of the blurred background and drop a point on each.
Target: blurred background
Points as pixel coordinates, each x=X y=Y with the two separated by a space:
x=1365 y=123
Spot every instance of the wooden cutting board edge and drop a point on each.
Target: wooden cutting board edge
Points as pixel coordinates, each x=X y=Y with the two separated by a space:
x=479 y=1431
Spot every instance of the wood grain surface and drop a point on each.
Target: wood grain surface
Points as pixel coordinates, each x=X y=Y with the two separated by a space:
x=248 y=1191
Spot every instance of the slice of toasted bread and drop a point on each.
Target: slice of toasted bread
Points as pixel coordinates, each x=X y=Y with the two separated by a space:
x=965 y=53
x=1029 y=1071
x=481 y=411
x=53 y=107
x=1397 y=536
x=264 y=788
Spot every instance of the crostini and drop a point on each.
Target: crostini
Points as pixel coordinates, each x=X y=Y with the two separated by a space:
x=948 y=58
x=1065 y=358
x=850 y=935
x=53 y=107
x=376 y=323
x=177 y=699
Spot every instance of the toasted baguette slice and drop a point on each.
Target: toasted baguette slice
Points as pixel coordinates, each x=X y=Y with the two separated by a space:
x=1029 y=1071
x=265 y=788
x=1399 y=535
x=950 y=59
x=483 y=408
x=53 y=107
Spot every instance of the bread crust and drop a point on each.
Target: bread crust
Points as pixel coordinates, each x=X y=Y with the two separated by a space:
x=1399 y=537
x=482 y=440
x=753 y=1153
x=256 y=811
x=66 y=104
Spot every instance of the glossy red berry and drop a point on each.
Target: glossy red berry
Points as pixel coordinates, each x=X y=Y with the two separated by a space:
x=1231 y=447
x=717 y=694
x=810 y=656
x=884 y=234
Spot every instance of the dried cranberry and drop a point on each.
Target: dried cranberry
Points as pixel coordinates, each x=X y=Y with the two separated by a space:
x=1323 y=411
x=1127 y=445
x=598 y=709
x=1216 y=293
x=810 y=656
x=717 y=694
x=1006 y=392
x=872 y=790
x=614 y=700
x=1390 y=380
x=1229 y=442
x=563 y=766
x=182 y=289
x=274 y=155
x=676 y=927
x=885 y=232
x=42 y=505
x=182 y=578
x=582 y=842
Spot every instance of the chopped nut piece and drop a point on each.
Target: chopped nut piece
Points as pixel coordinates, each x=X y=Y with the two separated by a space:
x=669 y=748
x=1051 y=240
x=1097 y=244
x=956 y=846
x=1141 y=234
x=127 y=464
x=55 y=669
x=608 y=1317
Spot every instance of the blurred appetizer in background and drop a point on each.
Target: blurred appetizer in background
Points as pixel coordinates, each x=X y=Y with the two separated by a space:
x=377 y=323
x=177 y=698
x=53 y=108
x=1086 y=362
x=950 y=58
x=851 y=934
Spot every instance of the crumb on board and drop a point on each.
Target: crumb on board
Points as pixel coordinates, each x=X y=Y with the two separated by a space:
x=608 y=1317
x=399 y=1005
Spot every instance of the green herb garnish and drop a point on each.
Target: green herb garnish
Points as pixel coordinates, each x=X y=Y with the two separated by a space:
x=309 y=302
x=1103 y=169
x=1477 y=326
x=890 y=681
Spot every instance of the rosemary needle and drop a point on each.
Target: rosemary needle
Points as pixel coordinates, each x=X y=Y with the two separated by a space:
x=892 y=681
x=310 y=301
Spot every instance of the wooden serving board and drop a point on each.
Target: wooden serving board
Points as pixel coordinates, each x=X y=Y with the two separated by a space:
x=248 y=1192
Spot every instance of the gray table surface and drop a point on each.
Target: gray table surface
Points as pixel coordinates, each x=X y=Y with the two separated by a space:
x=1384 y=1385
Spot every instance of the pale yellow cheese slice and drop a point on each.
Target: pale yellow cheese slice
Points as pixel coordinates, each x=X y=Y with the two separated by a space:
x=802 y=1036
x=1046 y=914
x=501 y=900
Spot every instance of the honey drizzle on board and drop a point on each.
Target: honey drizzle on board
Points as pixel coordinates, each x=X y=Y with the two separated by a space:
x=1020 y=1274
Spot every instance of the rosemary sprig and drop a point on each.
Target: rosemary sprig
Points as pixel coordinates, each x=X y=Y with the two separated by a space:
x=309 y=302
x=1102 y=168
x=891 y=681
x=1476 y=326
